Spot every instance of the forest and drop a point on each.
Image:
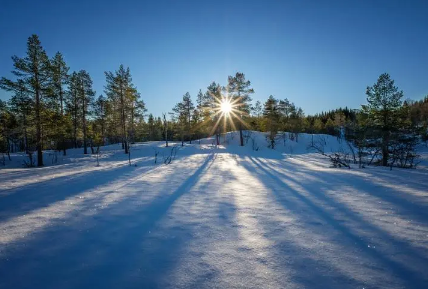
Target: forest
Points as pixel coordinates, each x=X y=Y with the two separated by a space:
x=53 y=108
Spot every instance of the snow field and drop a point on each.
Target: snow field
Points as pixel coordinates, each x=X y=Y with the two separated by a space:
x=226 y=217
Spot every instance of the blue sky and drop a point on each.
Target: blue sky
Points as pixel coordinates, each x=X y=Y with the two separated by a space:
x=319 y=54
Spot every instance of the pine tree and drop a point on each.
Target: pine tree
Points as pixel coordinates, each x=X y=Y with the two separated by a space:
x=271 y=114
x=121 y=91
x=213 y=97
x=100 y=112
x=151 y=127
x=74 y=105
x=183 y=111
x=86 y=95
x=188 y=109
x=383 y=108
x=329 y=126
x=239 y=89
x=137 y=111
x=34 y=72
x=257 y=109
x=198 y=114
x=59 y=78
x=318 y=126
x=4 y=130
x=21 y=105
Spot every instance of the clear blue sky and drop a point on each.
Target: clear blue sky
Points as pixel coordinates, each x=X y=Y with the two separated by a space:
x=319 y=54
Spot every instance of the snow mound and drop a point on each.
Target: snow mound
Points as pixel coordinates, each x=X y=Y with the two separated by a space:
x=285 y=142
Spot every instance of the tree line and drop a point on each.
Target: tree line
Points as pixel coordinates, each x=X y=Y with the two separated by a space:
x=53 y=108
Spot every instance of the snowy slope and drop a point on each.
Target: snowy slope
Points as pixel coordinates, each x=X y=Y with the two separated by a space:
x=225 y=217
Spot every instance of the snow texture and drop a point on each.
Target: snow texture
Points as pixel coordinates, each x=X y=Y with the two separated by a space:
x=216 y=217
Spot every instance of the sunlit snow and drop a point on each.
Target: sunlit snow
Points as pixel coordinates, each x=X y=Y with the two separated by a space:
x=216 y=217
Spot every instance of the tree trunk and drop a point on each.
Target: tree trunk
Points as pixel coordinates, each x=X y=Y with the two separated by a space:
x=188 y=128
x=75 y=121
x=38 y=129
x=385 y=149
x=25 y=134
x=122 y=111
x=61 y=100
x=102 y=132
x=385 y=156
x=85 y=145
x=126 y=145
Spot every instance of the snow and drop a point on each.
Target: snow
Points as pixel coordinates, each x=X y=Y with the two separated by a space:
x=216 y=217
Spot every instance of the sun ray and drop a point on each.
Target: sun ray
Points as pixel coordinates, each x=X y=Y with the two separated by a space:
x=215 y=126
x=240 y=120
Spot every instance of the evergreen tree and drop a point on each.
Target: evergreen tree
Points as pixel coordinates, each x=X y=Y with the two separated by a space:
x=183 y=111
x=74 y=104
x=4 y=130
x=121 y=91
x=59 y=79
x=318 y=126
x=239 y=89
x=213 y=98
x=271 y=114
x=136 y=112
x=383 y=109
x=151 y=127
x=198 y=114
x=329 y=126
x=86 y=95
x=21 y=105
x=34 y=72
x=257 y=109
x=100 y=112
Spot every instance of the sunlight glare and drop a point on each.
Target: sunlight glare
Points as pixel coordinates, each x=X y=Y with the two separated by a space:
x=226 y=106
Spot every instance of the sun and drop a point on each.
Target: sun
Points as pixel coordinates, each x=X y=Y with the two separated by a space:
x=225 y=106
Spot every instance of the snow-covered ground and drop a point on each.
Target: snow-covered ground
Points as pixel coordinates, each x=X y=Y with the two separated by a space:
x=226 y=217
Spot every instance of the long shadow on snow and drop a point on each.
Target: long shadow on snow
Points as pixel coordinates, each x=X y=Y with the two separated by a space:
x=278 y=262
x=416 y=253
x=81 y=264
x=305 y=269
x=297 y=259
x=36 y=196
x=327 y=180
x=409 y=205
x=401 y=271
x=219 y=229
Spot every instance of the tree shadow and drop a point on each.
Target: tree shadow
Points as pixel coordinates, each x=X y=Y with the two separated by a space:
x=407 y=204
x=400 y=270
x=40 y=195
x=105 y=252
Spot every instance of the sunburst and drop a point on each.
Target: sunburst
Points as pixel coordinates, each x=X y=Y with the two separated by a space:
x=225 y=106
x=227 y=111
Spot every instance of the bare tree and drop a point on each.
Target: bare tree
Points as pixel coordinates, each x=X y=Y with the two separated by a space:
x=337 y=159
